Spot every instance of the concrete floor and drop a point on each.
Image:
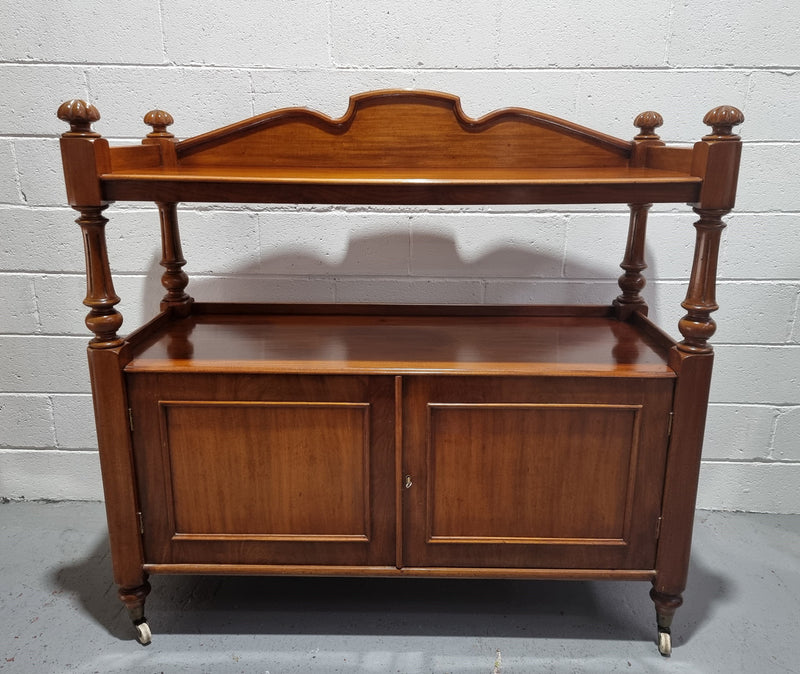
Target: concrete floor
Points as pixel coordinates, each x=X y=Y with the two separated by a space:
x=59 y=612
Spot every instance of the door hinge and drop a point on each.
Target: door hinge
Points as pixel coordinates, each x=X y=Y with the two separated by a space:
x=658 y=528
x=669 y=427
x=141 y=522
x=130 y=419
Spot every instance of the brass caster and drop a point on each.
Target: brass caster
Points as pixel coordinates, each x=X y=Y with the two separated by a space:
x=143 y=634
x=664 y=641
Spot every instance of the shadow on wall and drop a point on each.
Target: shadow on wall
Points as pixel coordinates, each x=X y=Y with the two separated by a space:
x=382 y=268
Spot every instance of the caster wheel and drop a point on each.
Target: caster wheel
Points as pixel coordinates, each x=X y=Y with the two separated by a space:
x=143 y=634
x=665 y=643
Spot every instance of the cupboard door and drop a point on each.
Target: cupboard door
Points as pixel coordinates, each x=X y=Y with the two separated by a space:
x=534 y=472
x=265 y=469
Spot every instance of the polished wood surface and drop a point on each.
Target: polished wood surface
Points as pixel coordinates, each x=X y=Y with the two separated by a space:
x=103 y=319
x=265 y=470
x=302 y=469
x=403 y=186
x=174 y=279
x=406 y=129
x=534 y=471
x=386 y=344
x=535 y=442
x=632 y=282
x=541 y=573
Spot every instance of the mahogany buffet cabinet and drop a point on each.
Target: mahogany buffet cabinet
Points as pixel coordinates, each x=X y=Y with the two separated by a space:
x=540 y=442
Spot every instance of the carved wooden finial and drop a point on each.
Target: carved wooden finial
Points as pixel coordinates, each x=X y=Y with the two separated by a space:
x=159 y=120
x=722 y=120
x=648 y=122
x=79 y=115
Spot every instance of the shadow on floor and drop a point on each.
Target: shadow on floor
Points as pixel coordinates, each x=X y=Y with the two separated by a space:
x=388 y=606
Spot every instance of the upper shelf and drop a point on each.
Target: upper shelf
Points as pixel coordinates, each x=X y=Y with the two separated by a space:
x=399 y=147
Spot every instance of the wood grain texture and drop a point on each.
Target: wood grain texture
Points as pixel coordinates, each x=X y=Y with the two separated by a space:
x=410 y=129
x=409 y=571
x=275 y=470
x=397 y=344
x=265 y=469
x=575 y=465
x=403 y=186
x=529 y=472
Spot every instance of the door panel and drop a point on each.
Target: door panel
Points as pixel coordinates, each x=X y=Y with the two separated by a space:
x=534 y=472
x=273 y=470
x=265 y=469
x=570 y=467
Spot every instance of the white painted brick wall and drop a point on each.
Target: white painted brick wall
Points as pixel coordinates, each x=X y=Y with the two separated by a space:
x=596 y=63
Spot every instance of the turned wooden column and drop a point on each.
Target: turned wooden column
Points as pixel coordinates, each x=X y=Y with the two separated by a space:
x=86 y=157
x=174 y=278
x=697 y=326
x=632 y=282
x=103 y=319
x=717 y=157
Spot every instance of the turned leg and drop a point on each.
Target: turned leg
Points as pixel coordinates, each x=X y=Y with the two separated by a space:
x=666 y=605
x=134 y=598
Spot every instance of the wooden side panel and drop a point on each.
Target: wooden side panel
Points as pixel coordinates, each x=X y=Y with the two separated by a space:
x=127 y=158
x=116 y=464
x=534 y=472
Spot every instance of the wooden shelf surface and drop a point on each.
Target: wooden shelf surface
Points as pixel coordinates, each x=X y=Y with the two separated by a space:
x=403 y=344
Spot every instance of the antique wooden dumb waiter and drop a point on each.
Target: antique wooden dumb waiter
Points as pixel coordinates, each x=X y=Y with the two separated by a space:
x=540 y=442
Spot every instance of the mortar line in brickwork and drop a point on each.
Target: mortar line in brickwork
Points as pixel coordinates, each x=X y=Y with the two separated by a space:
x=86 y=85
x=532 y=279
x=795 y=316
x=766 y=406
x=411 y=69
x=782 y=346
x=37 y=311
x=17 y=181
x=6 y=450
x=329 y=37
x=670 y=22
x=135 y=140
x=487 y=69
x=163 y=31
x=766 y=461
x=776 y=416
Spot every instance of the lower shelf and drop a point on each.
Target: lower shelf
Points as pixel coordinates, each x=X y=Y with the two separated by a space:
x=385 y=339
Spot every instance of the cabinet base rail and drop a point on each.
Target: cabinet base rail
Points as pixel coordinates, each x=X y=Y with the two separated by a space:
x=393 y=571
